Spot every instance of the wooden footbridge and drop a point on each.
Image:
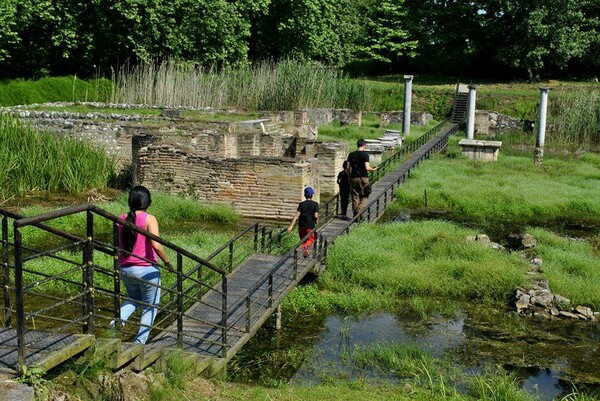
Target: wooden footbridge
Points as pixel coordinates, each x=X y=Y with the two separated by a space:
x=210 y=306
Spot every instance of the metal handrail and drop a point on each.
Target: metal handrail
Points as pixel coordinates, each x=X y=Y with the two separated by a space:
x=84 y=296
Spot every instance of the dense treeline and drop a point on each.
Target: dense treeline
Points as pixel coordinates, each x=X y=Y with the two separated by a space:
x=523 y=38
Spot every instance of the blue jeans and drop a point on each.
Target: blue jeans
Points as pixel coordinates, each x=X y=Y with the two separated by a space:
x=143 y=286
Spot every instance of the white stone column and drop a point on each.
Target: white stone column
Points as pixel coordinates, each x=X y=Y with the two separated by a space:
x=538 y=155
x=407 y=104
x=471 y=112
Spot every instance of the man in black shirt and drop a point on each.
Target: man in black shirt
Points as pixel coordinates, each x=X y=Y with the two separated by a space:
x=359 y=176
x=307 y=216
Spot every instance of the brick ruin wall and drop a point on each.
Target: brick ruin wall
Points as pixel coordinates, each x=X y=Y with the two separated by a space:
x=255 y=186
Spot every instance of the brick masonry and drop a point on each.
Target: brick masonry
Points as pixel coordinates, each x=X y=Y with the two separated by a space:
x=254 y=186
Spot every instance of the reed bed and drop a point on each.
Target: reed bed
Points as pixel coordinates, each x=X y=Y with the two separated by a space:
x=287 y=85
x=38 y=160
x=574 y=119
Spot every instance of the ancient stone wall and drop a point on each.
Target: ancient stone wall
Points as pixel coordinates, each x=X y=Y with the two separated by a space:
x=488 y=122
x=397 y=117
x=316 y=117
x=257 y=187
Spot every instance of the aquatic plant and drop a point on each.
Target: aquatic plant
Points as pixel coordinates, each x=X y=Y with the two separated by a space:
x=38 y=160
x=497 y=385
x=286 y=85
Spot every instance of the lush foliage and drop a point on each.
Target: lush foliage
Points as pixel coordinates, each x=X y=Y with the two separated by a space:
x=37 y=160
x=530 y=37
x=59 y=89
x=491 y=37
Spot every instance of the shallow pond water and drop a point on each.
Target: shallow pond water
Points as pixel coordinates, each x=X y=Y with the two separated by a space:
x=547 y=357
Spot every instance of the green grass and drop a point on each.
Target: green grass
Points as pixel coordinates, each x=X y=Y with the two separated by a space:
x=572 y=267
x=511 y=192
x=376 y=264
x=370 y=129
x=55 y=89
x=37 y=160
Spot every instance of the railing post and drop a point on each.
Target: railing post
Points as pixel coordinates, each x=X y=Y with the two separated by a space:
x=270 y=301
x=255 y=237
x=19 y=307
x=6 y=273
x=325 y=248
x=230 y=263
x=88 y=275
x=296 y=264
x=248 y=315
x=179 y=300
x=224 y=316
x=270 y=240
x=262 y=239
x=116 y=277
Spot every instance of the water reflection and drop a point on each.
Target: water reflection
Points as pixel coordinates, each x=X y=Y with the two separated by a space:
x=546 y=357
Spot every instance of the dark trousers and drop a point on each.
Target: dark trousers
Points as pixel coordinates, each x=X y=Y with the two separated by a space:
x=344 y=200
x=359 y=201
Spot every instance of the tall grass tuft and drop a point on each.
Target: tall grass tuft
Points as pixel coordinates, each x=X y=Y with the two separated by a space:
x=287 y=85
x=37 y=160
x=428 y=258
x=497 y=385
x=575 y=117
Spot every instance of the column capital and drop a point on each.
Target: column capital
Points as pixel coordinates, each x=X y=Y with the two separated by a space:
x=473 y=86
x=544 y=89
x=408 y=77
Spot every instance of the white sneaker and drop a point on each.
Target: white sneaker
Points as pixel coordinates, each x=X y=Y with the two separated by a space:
x=112 y=324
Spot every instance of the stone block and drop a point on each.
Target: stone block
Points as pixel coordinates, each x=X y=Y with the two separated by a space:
x=480 y=150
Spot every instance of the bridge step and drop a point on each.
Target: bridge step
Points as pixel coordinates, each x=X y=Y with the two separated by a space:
x=129 y=352
x=46 y=350
x=147 y=357
x=459 y=110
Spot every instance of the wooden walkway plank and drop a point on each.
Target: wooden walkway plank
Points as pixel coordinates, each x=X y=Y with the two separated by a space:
x=46 y=350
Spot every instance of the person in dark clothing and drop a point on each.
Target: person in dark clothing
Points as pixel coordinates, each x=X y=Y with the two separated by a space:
x=359 y=176
x=307 y=216
x=343 y=181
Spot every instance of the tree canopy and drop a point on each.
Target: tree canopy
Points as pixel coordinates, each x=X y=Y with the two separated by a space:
x=526 y=38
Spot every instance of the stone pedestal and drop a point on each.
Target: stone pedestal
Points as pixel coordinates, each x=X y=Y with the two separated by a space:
x=375 y=151
x=480 y=150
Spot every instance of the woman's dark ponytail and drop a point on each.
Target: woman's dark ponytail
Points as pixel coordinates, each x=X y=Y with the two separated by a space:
x=139 y=199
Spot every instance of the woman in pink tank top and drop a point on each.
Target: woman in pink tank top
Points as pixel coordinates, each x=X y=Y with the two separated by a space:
x=139 y=271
